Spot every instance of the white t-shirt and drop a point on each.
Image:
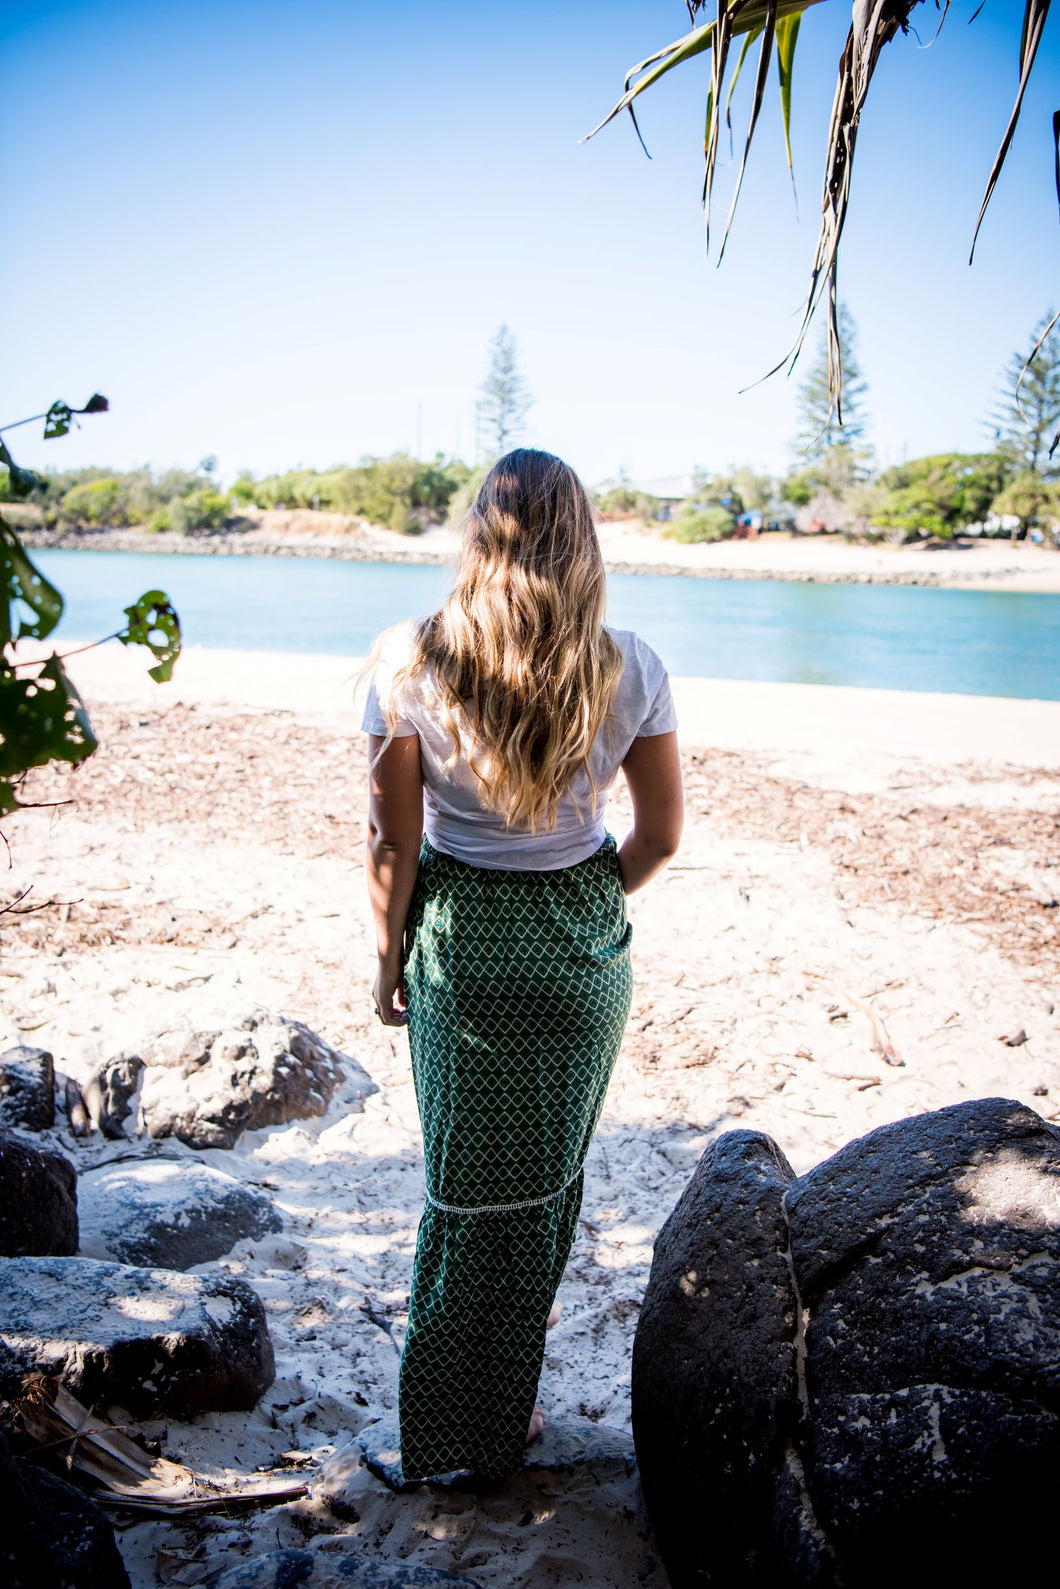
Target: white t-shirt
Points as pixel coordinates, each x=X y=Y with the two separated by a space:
x=455 y=819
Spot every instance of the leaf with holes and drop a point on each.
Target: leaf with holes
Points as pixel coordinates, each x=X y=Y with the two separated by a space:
x=153 y=623
x=22 y=582
x=57 y=420
x=42 y=719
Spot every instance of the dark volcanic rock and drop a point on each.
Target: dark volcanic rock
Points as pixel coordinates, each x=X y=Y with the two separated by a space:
x=38 y=1200
x=208 y=1087
x=304 y=1569
x=919 y=1434
x=110 y=1096
x=27 y=1089
x=168 y=1213
x=54 y=1537
x=942 y=1233
x=903 y=1481
x=714 y=1391
x=153 y=1341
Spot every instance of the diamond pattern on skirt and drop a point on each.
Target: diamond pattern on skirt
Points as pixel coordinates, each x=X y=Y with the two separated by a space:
x=518 y=990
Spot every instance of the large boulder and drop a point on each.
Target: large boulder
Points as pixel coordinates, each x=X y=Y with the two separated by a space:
x=27 y=1089
x=712 y=1401
x=860 y=1368
x=53 y=1535
x=38 y=1200
x=153 y=1341
x=168 y=1213
x=208 y=1087
x=306 y=1569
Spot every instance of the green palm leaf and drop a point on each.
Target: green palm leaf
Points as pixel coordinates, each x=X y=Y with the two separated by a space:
x=874 y=23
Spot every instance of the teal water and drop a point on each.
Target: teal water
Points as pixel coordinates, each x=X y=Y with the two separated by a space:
x=897 y=637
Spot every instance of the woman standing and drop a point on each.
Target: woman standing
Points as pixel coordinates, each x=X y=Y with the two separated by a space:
x=502 y=933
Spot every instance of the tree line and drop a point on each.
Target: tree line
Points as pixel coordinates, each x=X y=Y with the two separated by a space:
x=1012 y=488
x=833 y=484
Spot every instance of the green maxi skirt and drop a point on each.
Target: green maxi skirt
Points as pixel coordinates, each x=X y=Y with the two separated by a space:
x=518 y=990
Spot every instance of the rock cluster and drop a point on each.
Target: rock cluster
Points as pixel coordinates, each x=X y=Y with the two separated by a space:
x=851 y=1377
x=207 y=1088
x=103 y=1302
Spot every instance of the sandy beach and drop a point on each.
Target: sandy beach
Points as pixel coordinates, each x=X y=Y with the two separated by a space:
x=630 y=546
x=862 y=924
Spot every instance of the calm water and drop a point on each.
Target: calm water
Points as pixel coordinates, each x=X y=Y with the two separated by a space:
x=888 y=636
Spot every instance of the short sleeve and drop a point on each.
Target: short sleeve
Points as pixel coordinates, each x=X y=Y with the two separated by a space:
x=379 y=693
x=660 y=717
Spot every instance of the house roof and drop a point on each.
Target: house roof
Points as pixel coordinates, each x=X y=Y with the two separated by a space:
x=669 y=488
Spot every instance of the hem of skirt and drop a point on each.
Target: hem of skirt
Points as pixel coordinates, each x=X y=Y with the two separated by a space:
x=505 y=1208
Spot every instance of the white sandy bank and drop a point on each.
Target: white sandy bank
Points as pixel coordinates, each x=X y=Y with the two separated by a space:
x=734 y=714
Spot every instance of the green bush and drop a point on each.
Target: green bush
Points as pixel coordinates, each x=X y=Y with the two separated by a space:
x=202 y=509
x=940 y=494
x=694 y=523
x=96 y=502
x=399 y=491
x=624 y=499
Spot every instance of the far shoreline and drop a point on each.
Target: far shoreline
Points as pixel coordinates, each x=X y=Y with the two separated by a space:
x=966 y=565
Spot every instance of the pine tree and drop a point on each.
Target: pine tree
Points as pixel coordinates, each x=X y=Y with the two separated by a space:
x=504 y=398
x=1025 y=424
x=819 y=429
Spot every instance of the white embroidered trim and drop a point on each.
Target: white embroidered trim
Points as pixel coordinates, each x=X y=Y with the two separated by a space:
x=505 y=1208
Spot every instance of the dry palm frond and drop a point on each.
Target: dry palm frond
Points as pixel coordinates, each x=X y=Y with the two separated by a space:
x=124 y=1474
x=1033 y=25
x=874 y=23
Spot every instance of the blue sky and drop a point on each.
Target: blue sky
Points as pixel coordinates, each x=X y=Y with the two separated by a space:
x=285 y=234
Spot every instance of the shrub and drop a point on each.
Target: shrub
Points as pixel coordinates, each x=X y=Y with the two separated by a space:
x=624 y=499
x=95 y=502
x=202 y=509
x=694 y=523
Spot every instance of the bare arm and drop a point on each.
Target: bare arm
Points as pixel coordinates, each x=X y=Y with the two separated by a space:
x=395 y=826
x=653 y=773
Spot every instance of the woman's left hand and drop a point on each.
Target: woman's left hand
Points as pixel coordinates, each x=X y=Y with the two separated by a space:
x=389 y=995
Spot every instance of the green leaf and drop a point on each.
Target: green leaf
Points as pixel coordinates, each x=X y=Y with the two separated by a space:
x=57 y=420
x=787 y=37
x=21 y=581
x=153 y=622
x=767 y=33
x=42 y=719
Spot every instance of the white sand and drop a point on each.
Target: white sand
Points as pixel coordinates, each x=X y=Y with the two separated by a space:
x=735 y=713
x=974 y=564
x=846 y=851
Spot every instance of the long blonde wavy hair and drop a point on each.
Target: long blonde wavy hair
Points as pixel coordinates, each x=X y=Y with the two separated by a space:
x=519 y=652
